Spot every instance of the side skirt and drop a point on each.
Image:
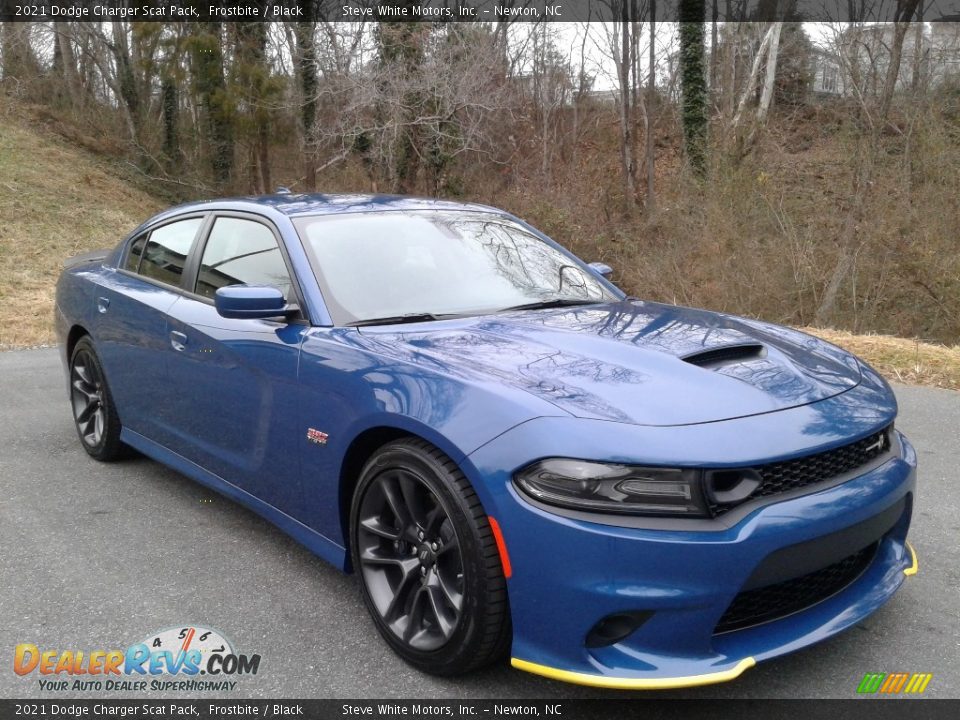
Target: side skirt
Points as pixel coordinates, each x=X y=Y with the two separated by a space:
x=318 y=544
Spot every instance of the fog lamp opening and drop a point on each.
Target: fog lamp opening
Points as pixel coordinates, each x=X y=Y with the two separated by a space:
x=614 y=628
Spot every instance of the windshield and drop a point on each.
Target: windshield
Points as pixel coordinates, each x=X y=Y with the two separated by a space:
x=387 y=265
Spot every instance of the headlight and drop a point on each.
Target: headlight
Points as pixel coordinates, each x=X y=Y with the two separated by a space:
x=606 y=487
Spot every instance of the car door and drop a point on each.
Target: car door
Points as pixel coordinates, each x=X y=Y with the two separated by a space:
x=131 y=328
x=235 y=380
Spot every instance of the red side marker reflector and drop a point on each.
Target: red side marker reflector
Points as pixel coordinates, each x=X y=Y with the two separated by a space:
x=501 y=547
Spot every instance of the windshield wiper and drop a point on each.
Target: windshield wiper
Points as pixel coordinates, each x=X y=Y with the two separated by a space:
x=427 y=317
x=544 y=304
x=400 y=319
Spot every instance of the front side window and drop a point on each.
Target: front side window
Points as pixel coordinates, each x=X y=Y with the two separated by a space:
x=389 y=264
x=241 y=252
x=166 y=252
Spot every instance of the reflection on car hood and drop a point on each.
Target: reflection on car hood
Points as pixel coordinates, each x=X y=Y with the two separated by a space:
x=625 y=361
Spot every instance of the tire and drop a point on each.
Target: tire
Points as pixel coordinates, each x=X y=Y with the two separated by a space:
x=94 y=413
x=429 y=569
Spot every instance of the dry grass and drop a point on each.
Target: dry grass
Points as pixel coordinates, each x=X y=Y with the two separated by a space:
x=900 y=359
x=55 y=201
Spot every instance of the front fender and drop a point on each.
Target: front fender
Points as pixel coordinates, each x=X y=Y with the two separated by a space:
x=347 y=388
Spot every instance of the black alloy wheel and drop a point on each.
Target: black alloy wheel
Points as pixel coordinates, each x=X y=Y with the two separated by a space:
x=94 y=414
x=429 y=568
x=410 y=559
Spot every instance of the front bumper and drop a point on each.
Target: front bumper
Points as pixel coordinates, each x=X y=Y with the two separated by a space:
x=568 y=574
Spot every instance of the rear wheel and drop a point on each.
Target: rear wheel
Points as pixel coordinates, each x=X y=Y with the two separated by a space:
x=429 y=569
x=94 y=413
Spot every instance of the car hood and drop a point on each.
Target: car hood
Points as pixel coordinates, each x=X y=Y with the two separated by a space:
x=631 y=361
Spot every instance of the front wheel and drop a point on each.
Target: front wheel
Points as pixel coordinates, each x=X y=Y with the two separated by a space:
x=429 y=568
x=94 y=413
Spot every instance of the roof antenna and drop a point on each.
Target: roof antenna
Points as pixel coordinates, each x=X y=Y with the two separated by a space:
x=282 y=190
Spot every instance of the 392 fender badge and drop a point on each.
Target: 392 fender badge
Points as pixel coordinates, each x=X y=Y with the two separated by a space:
x=315 y=436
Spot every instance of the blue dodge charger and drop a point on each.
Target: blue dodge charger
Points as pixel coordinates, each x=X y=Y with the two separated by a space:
x=512 y=455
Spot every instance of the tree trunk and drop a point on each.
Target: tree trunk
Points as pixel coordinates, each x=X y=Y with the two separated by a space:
x=893 y=70
x=253 y=73
x=767 y=95
x=918 y=53
x=127 y=79
x=214 y=99
x=170 y=99
x=865 y=160
x=750 y=87
x=729 y=70
x=651 y=107
x=905 y=12
x=253 y=164
x=714 y=50
x=263 y=148
x=693 y=83
x=637 y=99
x=306 y=64
x=844 y=259
x=624 y=67
x=68 y=63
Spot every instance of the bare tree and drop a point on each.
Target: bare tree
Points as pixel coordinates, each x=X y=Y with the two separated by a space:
x=620 y=42
x=19 y=61
x=650 y=116
x=408 y=118
x=852 y=43
x=552 y=85
x=65 y=63
x=903 y=16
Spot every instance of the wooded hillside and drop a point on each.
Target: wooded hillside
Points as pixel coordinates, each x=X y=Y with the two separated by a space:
x=723 y=178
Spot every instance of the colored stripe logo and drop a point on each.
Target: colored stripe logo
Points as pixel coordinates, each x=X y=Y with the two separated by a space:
x=894 y=683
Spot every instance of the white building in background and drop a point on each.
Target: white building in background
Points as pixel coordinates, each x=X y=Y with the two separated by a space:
x=929 y=57
x=942 y=52
x=826 y=78
x=844 y=56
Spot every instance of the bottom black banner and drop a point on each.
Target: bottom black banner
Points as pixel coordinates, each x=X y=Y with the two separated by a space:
x=868 y=709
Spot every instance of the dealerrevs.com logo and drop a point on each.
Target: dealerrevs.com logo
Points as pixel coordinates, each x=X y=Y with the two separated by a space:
x=182 y=653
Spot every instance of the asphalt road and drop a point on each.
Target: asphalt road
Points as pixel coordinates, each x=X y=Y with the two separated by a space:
x=98 y=556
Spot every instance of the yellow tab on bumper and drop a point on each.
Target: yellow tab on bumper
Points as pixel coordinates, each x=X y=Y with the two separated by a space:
x=915 y=566
x=622 y=683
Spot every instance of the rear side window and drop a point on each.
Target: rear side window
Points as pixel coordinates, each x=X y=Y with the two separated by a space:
x=166 y=252
x=241 y=252
x=132 y=263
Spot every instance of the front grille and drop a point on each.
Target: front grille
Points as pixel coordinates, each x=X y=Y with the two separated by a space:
x=781 y=477
x=772 y=602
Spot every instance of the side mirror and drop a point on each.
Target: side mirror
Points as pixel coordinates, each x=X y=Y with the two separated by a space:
x=250 y=301
x=601 y=269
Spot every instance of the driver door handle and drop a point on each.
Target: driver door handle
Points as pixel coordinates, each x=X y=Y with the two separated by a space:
x=178 y=340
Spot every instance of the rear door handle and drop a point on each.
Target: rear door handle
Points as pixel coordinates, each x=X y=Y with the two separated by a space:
x=178 y=340
x=103 y=304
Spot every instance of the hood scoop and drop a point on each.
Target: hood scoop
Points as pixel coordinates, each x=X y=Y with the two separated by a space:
x=725 y=355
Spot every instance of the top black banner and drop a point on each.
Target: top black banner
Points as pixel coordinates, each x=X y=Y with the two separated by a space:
x=480 y=10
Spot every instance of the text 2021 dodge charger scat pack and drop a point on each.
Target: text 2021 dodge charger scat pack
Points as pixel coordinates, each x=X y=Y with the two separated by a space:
x=511 y=454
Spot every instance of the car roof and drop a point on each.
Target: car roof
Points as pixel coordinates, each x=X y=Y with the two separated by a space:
x=294 y=204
